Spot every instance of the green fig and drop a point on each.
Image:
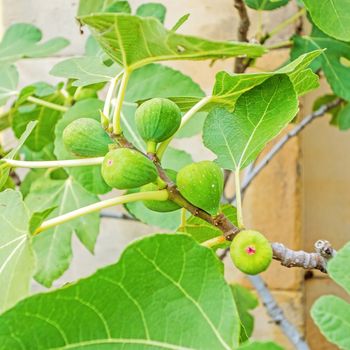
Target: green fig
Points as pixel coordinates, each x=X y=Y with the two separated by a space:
x=202 y=184
x=164 y=206
x=251 y=252
x=157 y=120
x=85 y=137
x=124 y=168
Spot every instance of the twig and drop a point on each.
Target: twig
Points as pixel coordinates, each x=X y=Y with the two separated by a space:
x=291 y=258
x=277 y=314
x=242 y=33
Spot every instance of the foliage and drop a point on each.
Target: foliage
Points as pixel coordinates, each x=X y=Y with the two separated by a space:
x=167 y=290
x=331 y=313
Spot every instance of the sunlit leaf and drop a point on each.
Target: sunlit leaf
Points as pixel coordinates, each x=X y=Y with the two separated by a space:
x=17 y=261
x=260 y=114
x=173 y=289
x=134 y=41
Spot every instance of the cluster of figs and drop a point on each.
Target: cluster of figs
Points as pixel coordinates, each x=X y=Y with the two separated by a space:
x=200 y=183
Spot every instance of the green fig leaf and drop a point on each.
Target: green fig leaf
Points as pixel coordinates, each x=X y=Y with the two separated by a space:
x=8 y=83
x=134 y=41
x=229 y=87
x=17 y=261
x=5 y=171
x=245 y=301
x=337 y=267
x=165 y=282
x=332 y=315
x=152 y=9
x=343 y=118
x=337 y=74
x=87 y=7
x=21 y=40
x=86 y=70
x=265 y=5
x=331 y=17
x=46 y=118
x=53 y=246
x=260 y=114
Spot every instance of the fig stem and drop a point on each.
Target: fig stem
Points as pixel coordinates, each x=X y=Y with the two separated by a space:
x=111 y=93
x=53 y=163
x=151 y=147
x=183 y=218
x=47 y=104
x=186 y=117
x=161 y=183
x=117 y=130
x=213 y=241
x=239 y=200
x=161 y=195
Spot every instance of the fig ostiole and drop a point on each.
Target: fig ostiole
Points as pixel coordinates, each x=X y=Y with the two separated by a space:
x=202 y=185
x=154 y=205
x=251 y=252
x=157 y=120
x=85 y=137
x=125 y=168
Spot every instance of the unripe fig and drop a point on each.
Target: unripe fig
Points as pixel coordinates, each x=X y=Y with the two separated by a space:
x=251 y=252
x=85 y=137
x=164 y=206
x=124 y=168
x=202 y=184
x=157 y=119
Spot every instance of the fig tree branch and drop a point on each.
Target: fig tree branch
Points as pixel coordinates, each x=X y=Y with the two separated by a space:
x=277 y=314
x=242 y=33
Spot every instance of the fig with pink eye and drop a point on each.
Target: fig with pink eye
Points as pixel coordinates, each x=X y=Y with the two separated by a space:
x=251 y=252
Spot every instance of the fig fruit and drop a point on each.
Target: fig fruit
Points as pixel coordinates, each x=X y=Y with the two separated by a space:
x=164 y=206
x=85 y=137
x=124 y=168
x=202 y=185
x=251 y=252
x=157 y=119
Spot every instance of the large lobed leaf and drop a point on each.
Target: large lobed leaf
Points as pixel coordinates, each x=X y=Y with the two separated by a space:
x=337 y=74
x=166 y=292
x=21 y=40
x=134 y=41
x=331 y=16
x=260 y=114
x=85 y=70
x=8 y=82
x=17 y=261
x=245 y=301
x=229 y=87
x=46 y=118
x=4 y=172
x=331 y=313
x=53 y=246
x=332 y=316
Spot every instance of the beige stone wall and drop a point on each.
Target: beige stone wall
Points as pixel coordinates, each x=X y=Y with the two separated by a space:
x=300 y=197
